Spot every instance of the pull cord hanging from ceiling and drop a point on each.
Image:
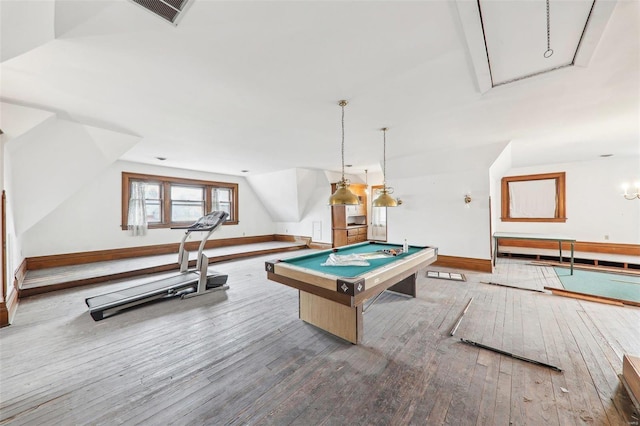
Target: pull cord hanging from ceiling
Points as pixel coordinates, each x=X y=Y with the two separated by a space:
x=549 y=51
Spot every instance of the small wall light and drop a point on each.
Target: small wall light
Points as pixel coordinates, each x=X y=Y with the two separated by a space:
x=633 y=195
x=467 y=200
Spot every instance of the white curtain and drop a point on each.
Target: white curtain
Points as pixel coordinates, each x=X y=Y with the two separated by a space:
x=137 y=218
x=533 y=198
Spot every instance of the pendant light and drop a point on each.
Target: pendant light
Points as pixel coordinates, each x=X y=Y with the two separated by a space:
x=343 y=195
x=385 y=199
x=366 y=181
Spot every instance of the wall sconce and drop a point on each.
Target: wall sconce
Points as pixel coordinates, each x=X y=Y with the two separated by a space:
x=467 y=200
x=625 y=188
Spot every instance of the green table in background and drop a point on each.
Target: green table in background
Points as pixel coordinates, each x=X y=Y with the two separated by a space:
x=524 y=236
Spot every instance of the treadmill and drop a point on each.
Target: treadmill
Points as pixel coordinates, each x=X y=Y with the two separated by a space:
x=188 y=283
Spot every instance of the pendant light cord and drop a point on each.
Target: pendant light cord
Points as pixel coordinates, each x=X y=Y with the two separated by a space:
x=342 y=104
x=384 y=158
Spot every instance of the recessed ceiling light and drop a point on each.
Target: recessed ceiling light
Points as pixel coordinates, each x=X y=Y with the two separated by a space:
x=606 y=155
x=161 y=158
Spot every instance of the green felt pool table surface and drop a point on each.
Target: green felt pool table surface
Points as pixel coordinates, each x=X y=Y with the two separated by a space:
x=314 y=261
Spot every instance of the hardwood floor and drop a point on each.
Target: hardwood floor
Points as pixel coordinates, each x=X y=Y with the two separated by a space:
x=244 y=357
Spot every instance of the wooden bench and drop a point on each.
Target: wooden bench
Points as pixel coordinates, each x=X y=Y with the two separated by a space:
x=606 y=255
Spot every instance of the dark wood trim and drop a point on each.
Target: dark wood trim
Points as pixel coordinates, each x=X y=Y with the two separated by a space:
x=586 y=246
x=4 y=314
x=26 y=292
x=166 y=181
x=3 y=252
x=591 y=297
x=468 y=263
x=334 y=296
x=292 y=239
x=561 y=210
x=20 y=273
x=8 y=309
x=79 y=258
x=320 y=246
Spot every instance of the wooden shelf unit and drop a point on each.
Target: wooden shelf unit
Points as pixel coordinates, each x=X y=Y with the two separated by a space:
x=349 y=223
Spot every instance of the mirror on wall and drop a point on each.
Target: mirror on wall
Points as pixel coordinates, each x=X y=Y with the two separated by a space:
x=378 y=218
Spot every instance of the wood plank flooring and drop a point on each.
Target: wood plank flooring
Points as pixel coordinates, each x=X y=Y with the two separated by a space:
x=244 y=357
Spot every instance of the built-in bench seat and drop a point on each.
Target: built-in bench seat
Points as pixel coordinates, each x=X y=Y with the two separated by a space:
x=46 y=279
x=595 y=259
x=619 y=256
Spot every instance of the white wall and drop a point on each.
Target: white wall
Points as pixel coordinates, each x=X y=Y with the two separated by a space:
x=595 y=208
x=319 y=211
x=496 y=172
x=432 y=186
x=13 y=258
x=288 y=194
x=91 y=218
x=433 y=213
x=314 y=190
x=53 y=160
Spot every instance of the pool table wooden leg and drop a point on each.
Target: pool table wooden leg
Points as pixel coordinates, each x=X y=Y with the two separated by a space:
x=406 y=286
x=338 y=319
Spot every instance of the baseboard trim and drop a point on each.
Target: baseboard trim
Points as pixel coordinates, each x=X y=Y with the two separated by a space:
x=8 y=309
x=468 y=263
x=320 y=246
x=79 y=258
x=20 y=274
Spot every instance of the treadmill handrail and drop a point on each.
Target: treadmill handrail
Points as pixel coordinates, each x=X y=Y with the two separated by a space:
x=208 y=222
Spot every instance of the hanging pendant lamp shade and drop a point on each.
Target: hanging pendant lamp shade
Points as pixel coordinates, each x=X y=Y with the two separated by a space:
x=343 y=195
x=385 y=199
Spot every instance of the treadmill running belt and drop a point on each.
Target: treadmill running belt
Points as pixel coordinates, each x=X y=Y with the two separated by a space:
x=143 y=290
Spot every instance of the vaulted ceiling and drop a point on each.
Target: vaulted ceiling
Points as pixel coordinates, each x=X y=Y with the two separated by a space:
x=241 y=85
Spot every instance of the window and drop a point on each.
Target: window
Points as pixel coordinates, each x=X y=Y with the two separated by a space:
x=187 y=203
x=153 y=201
x=534 y=198
x=221 y=199
x=176 y=201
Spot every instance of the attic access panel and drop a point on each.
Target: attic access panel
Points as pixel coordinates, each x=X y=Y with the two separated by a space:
x=515 y=36
x=169 y=10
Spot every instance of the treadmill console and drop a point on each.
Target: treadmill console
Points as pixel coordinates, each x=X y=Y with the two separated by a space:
x=209 y=221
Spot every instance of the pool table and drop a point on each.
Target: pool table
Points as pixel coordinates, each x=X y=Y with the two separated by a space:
x=332 y=297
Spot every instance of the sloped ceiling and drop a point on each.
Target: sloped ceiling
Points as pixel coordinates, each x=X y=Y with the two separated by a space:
x=255 y=85
x=54 y=159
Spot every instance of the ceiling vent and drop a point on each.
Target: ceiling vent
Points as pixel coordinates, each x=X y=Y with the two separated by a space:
x=169 y=10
